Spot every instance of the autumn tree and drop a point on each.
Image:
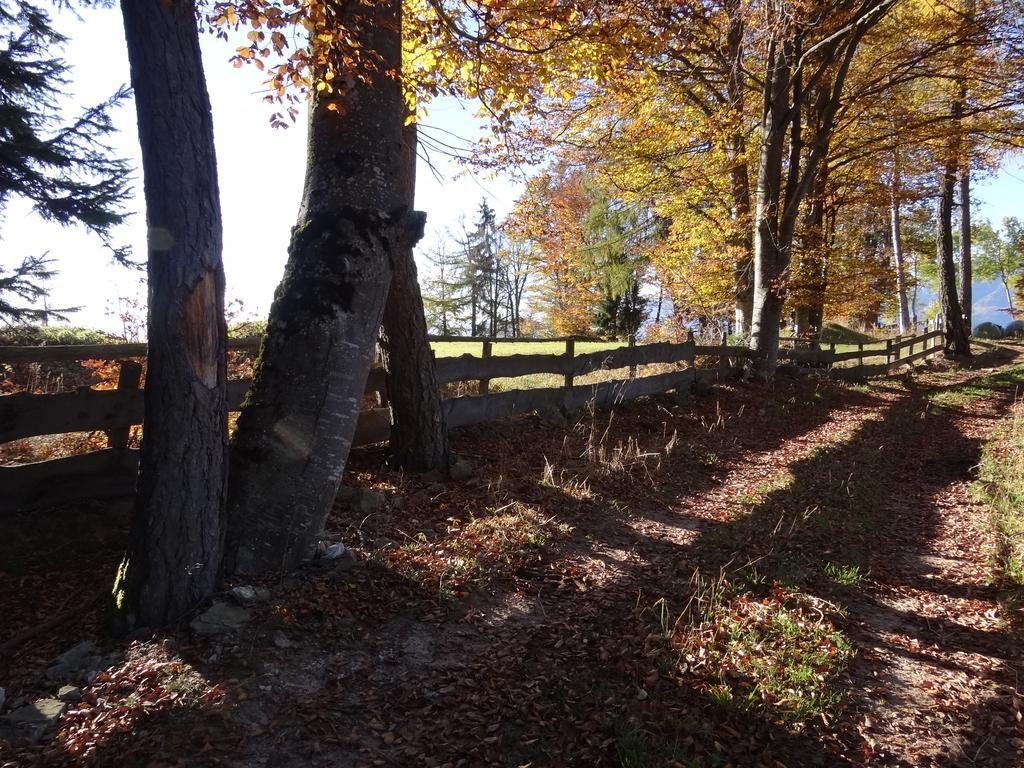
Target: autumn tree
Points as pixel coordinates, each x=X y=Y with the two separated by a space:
x=175 y=551
x=299 y=418
x=1000 y=256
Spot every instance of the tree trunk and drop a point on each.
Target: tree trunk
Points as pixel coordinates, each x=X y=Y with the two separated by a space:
x=903 y=310
x=770 y=261
x=298 y=420
x=739 y=188
x=957 y=336
x=419 y=435
x=174 y=555
x=1009 y=293
x=966 y=270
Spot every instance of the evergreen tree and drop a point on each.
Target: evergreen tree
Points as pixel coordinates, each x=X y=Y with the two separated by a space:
x=445 y=299
x=63 y=168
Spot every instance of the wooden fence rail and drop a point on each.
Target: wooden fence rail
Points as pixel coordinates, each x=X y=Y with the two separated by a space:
x=111 y=472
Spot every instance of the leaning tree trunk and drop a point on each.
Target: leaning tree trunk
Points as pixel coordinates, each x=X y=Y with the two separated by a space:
x=419 y=435
x=966 y=270
x=957 y=335
x=299 y=418
x=174 y=555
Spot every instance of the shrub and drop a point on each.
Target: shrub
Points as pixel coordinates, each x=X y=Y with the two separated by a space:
x=1015 y=329
x=38 y=335
x=988 y=331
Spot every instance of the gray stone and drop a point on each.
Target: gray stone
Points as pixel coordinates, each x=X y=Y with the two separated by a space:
x=78 y=655
x=281 y=640
x=247 y=595
x=69 y=693
x=42 y=712
x=60 y=672
x=336 y=556
x=221 y=618
x=362 y=500
x=462 y=470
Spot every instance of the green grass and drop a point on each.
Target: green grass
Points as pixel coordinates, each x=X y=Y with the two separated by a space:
x=512 y=347
x=779 y=654
x=847 y=575
x=1001 y=482
x=982 y=386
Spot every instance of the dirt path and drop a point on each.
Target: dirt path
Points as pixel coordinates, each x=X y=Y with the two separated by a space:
x=529 y=616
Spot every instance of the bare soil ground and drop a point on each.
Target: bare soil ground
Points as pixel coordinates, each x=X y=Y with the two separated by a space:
x=603 y=592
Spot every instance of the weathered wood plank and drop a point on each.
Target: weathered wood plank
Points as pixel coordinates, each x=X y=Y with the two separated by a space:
x=88 y=410
x=71 y=352
x=472 y=368
x=478 y=409
x=100 y=474
x=111 y=472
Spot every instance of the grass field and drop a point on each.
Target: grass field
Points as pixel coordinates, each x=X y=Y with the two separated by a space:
x=513 y=347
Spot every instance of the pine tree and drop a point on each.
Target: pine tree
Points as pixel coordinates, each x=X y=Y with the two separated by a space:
x=63 y=168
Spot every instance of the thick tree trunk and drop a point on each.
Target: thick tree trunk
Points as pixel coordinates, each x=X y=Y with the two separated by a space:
x=966 y=269
x=174 y=557
x=419 y=435
x=736 y=150
x=902 y=308
x=298 y=420
x=957 y=335
x=771 y=256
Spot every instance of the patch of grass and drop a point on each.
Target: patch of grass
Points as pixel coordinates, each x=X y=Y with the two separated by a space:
x=638 y=749
x=513 y=347
x=847 y=575
x=779 y=654
x=760 y=493
x=1001 y=482
x=478 y=550
x=976 y=388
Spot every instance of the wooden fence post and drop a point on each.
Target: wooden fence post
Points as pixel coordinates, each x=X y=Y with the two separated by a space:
x=570 y=352
x=485 y=383
x=128 y=377
x=888 y=351
x=632 y=344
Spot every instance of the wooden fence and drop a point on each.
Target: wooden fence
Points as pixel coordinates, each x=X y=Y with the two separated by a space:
x=111 y=471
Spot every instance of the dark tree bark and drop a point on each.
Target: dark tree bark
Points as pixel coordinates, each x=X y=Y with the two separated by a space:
x=739 y=177
x=174 y=556
x=298 y=420
x=966 y=269
x=784 y=90
x=419 y=435
x=957 y=335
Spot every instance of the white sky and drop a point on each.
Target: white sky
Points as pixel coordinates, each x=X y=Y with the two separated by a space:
x=260 y=174
x=260 y=171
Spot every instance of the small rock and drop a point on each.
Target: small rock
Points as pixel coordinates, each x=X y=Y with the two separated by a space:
x=281 y=640
x=247 y=595
x=78 y=655
x=220 y=618
x=362 y=500
x=42 y=712
x=336 y=555
x=462 y=470
x=69 y=694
